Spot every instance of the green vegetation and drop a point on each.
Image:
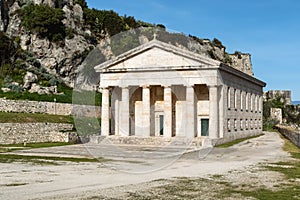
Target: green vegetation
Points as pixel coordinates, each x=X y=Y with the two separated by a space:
x=33 y=118
x=13 y=147
x=229 y=144
x=11 y=56
x=218 y=43
x=45 y=21
x=80 y=97
x=290 y=113
x=37 y=145
x=109 y=22
x=82 y=3
x=25 y=95
x=42 y=160
x=268 y=122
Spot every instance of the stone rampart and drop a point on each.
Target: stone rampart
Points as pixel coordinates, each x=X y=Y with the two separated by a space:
x=292 y=134
x=23 y=106
x=16 y=133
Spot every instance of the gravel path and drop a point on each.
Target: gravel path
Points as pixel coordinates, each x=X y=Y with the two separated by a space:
x=114 y=179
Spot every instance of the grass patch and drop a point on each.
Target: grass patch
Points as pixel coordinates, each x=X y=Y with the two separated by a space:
x=33 y=118
x=290 y=147
x=15 y=184
x=229 y=144
x=37 y=145
x=4 y=148
x=63 y=98
x=9 y=158
x=264 y=194
x=200 y=188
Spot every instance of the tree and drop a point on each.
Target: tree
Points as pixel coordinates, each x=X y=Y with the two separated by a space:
x=131 y=22
x=218 y=43
x=82 y=3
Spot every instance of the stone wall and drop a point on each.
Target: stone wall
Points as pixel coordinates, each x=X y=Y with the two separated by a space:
x=285 y=96
x=16 y=133
x=23 y=106
x=292 y=134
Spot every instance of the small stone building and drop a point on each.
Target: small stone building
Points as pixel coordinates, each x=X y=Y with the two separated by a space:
x=160 y=90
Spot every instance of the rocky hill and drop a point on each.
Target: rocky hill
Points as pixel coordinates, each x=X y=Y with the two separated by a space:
x=43 y=42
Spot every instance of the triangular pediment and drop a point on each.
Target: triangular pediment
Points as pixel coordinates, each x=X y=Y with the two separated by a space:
x=156 y=55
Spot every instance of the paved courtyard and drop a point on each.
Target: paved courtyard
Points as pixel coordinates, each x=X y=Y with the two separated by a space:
x=129 y=165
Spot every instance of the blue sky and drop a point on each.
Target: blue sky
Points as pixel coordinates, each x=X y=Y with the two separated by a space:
x=267 y=29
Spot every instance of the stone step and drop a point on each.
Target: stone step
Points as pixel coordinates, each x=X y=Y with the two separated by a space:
x=179 y=142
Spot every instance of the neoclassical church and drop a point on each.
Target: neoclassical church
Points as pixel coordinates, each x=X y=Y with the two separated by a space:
x=160 y=90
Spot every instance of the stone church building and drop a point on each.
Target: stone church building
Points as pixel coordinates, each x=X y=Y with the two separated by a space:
x=160 y=90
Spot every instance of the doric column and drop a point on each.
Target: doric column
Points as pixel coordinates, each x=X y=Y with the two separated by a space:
x=213 y=112
x=105 y=112
x=146 y=111
x=124 y=114
x=116 y=116
x=221 y=111
x=190 y=112
x=167 y=111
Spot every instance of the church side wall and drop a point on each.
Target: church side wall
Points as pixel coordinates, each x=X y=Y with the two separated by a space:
x=242 y=108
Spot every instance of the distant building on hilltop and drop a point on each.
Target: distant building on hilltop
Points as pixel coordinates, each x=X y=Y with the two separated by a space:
x=285 y=96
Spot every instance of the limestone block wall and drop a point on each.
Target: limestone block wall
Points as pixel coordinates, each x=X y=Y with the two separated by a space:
x=15 y=133
x=243 y=107
x=23 y=106
x=291 y=134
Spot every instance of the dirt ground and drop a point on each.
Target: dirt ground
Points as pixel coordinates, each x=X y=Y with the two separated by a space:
x=125 y=176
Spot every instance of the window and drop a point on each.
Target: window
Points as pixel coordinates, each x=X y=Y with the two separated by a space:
x=235 y=99
x=228 y=125
x=259 y=124
x=251 y=124
x=242 y=100
x=260 y=104
x=247 y=101
x=251 y=103
x=241 y=124
x=247 y=124
x=228 y=98
x=256 y=103
x=235 y=124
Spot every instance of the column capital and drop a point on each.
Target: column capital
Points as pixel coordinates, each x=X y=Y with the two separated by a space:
x=189 y=85
x=145 y=86
x=166 y=86
x=124 y=87
x=101 y=89
x=214 y=86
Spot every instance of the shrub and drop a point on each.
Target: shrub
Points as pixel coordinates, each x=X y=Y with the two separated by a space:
x=218 y=43
x=82 y=3
x=268 y=124
x=44 y=20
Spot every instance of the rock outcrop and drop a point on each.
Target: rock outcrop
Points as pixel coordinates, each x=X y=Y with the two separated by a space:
x=59 y=59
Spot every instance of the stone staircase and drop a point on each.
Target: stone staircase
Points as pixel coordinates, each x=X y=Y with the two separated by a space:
x=174 y=142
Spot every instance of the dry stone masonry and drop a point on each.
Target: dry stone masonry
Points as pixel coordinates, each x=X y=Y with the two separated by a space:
x=16 y=133
x=23 y=106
